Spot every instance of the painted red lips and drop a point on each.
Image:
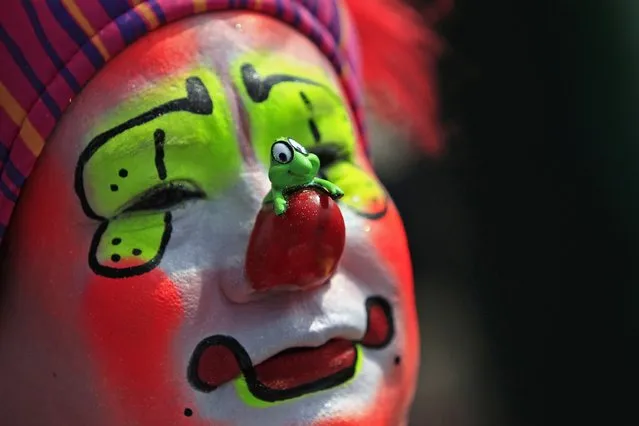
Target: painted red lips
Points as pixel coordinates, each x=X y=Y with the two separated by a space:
x=294 y=372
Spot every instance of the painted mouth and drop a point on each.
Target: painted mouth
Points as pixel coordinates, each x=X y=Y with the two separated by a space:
x=295 y=371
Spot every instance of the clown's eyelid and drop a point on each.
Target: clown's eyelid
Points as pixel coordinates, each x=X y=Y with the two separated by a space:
x=330 y=153
x=164 y=197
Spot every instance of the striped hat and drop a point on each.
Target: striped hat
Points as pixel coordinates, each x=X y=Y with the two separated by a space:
x=50 y=48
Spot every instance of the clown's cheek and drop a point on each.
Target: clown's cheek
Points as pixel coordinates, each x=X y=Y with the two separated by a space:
x=389 y=239
x=131 y=324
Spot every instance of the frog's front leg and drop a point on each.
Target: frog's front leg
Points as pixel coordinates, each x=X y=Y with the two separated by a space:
x=268 y=198
x=279 y=202
x=332 y=189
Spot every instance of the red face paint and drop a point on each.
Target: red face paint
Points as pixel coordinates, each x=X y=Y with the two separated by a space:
x=153 y=60
x=130 y=324
x=389 y=238
x=49 y=240
x=124 y=331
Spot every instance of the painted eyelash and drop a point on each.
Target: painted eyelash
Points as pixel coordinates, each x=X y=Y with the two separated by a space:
x=330 y=153
x=187 y=190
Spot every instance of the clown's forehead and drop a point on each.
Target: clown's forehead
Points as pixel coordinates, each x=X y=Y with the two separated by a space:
x=153 y=70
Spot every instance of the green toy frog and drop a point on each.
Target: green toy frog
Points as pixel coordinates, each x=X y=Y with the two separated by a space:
x=293 y=167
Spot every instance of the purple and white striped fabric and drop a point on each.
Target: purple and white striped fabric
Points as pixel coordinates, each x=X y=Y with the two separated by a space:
x=50 y=48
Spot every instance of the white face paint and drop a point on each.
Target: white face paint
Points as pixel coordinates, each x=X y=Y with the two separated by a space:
x=126 y=348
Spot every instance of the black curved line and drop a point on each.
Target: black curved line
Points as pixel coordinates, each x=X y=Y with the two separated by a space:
x=312 y=125
x=197 y=101
x=131 y=271
x=259 y=88
x=371 y=215
x=306 y=101
x=332 y=154
x=261 y=391
x=159 y=136
x=239 y=353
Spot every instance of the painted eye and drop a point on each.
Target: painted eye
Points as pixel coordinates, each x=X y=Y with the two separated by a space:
x=165 y=198
x=329 y=154
x=297 y=146
x=282 y=152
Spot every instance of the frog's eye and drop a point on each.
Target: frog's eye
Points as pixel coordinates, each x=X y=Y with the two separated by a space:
x=297 y=146
x=282 y=152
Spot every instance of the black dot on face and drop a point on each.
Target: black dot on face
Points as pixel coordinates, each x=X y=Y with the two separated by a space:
x=114 y=188
x=188 y=412
x=115 y=257
x=137 y=252
x=123 y=173
x=116 y=241
x=398 y=360
x=282 y=157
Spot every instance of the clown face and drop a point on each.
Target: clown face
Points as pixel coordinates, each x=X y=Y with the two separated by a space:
x=125 y=294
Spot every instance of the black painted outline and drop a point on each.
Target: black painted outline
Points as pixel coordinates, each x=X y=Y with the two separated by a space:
x=131 y=271
x=341 y=156
x=259 y=88
x=371 y=215
x=312 y=125
x=158 y=141
x=197 y=101
x=264 y=393
x=306 y=101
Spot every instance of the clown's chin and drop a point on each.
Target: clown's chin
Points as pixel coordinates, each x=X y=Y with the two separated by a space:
x=293 y=372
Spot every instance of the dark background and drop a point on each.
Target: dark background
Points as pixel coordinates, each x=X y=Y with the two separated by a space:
x=524 y=234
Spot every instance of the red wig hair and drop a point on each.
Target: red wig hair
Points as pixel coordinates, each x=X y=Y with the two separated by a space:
x=400 y=51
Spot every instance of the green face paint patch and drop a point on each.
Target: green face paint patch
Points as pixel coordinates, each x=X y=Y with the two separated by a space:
x=287 y=98
x=186 y=139
x=362 y=191
x=130 y=246
x=181 y=138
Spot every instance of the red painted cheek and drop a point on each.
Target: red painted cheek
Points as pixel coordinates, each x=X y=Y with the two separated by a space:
x=45 y=233
x=131 y=324
x=389 y=238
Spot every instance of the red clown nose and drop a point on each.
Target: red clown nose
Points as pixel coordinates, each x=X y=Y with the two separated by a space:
x=299 y=249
